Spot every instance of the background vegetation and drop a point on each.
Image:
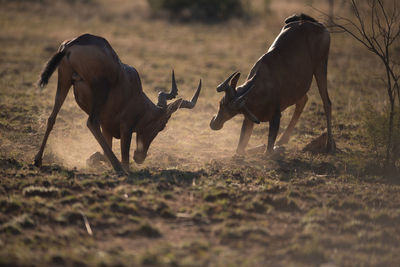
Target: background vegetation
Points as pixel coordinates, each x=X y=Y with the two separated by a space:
x=191 y=203
x=375 y=25
x=204 y=10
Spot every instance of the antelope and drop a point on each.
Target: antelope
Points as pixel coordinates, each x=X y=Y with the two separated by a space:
x=111 y=93
x=280 y=78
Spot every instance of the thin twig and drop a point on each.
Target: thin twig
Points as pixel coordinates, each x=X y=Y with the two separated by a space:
x=87 y=225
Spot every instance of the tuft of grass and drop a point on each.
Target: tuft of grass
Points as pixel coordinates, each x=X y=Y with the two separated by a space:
x=10 y=205
x=253 y=234
x=12 y=229
x=69 y=216
x=284 y=203
x=215 y=194
x=48 y=192
x=144 y=229
x=150 y=259
x=310 y=251
x=165 y=211
x=147 y=230
x=258 y=205
x=376 y=132
x=16 y=224
x=8 y=163
x=70 y=199
x=124 y=208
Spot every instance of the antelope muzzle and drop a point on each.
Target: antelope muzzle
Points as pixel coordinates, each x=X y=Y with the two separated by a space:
x=216 y=123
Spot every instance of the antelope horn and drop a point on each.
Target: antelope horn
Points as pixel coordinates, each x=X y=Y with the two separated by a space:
x=246 y=90
x=163 y=96
x=240 y=101
x=190 y=104
x=223 y=86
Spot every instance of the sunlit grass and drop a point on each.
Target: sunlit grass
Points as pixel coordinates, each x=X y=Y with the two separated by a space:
x=190 y=203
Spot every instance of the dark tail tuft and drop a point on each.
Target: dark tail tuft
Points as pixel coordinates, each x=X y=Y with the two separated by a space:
x=299 y=17
x=50 y=67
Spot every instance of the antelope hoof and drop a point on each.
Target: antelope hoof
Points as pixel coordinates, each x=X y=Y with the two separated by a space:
x=275 y=154
x=238 y=157
x=125 y=166
x=38 y=162
x=240 y=152
x=331 y=146
x=139 y=157
x=122 y=172
x=119 y=169
x=279 y=149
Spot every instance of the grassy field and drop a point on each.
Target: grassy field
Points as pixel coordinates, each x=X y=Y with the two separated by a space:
x=191 y=203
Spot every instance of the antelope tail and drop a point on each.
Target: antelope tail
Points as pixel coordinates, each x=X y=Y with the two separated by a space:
x=50 y=67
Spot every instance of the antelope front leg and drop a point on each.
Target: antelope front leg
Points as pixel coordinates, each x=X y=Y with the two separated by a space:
x=247 y=129
x=273 y=131
x=94 y=126
x=126 y=138
x=284 y=139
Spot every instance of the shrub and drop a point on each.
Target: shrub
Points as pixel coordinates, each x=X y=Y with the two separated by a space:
x=199 y=9
x=377 y=133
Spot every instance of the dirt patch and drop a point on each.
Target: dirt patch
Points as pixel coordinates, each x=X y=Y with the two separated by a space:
x=191 y=203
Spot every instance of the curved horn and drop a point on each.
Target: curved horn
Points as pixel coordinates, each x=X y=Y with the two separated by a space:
x=240 y=99
x=163 y=96
x=249 y=85
x=223 y=86
x=190 y=104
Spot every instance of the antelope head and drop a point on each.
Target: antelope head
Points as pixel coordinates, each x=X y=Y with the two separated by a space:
x=233 y=102
x=158 y=122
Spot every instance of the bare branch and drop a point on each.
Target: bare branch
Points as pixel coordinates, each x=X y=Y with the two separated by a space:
x=373 y=19
x=384 y=13
x=377 y=29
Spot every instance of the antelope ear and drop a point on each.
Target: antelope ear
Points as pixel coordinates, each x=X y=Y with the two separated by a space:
x=234 y=80
x=171 y=108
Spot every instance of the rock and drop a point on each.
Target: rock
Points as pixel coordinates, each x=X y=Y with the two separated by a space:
x=318 y=145
x=96 y=160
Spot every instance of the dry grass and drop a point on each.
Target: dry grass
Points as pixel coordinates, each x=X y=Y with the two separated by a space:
x=191 y=203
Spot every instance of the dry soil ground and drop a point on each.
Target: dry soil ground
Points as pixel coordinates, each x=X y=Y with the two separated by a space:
x=191 y=203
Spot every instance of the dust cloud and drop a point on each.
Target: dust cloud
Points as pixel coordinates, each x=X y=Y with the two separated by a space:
x=186 y=142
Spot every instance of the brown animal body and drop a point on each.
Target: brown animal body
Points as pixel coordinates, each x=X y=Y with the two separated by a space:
x=110 y=92
x=279 y=79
